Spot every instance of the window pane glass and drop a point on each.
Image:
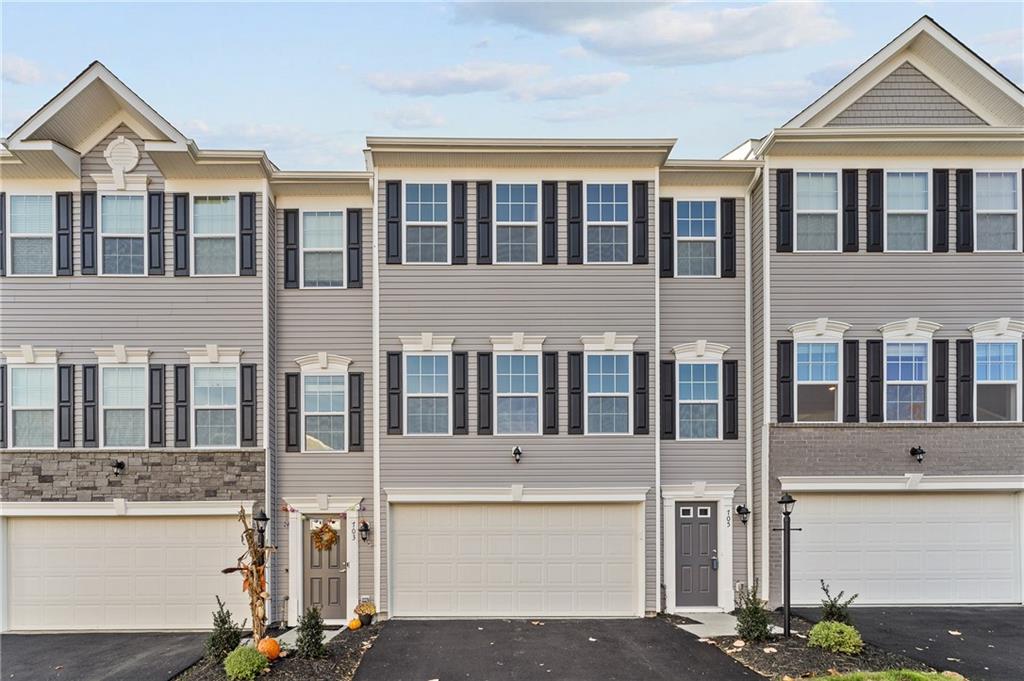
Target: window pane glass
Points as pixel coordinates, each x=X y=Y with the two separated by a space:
x=817 y=362
x=698 y=382
x=323 y=269
x=607 y=414
x=996 y=361
x=517 y=374
x=517 y=415
x=816 y=402
x=426 y=244
x=215 y=427
x=323 y=394
x=32 y=387
x=214 y=215
x=214 y=386
x=607 y=374
x=997 y=232
x=906 y=362
x=124 y=427
x=607 y=203
x=323 y=229
x=516 y=203
x=215 y=256
x=607 y=243
x=907 y=191
x=426 y=203
x=698 y=421
x=517 y=244
x=697 y=258
x=905 y=403
x=817 y=191
x=817 y=232
x=325 y=433
x=696 y=218
x=997 y=402
x=996 y=191
x=123 y=255
x=427 y=374
x=123 y=214
x=907 y=233
x=31 y=215
x=31 y=255
x=427 y=415
x=33 y=428
x=123 y=387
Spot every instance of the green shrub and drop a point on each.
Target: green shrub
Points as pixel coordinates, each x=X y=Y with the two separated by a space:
x=834 y=608
x=753 y=621
x=226 y=635
x=835 y=637
x=310 y=642
x=244 y=664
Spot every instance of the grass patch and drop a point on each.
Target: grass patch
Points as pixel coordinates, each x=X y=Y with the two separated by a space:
x=891 y=675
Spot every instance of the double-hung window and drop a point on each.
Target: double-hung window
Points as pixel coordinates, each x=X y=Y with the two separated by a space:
x=817 y=381
x=607 y=391
x=696 y=239
x=516 y=223
x=325 y=415
x=215 y=235
x=123 y=405
x=906 y=380
x=700 y=400
x=32 y=226
x=428 y=394
x=997 y=381
x=323 y=249
x=906 y=211
x=518 y=394
x=123 y=233
x=817 y=211
x=607 y=228
x=426 y=223
x=33 y=400
x=215 y=405
x=997 y=211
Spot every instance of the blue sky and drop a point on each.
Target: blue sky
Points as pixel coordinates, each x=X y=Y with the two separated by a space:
x=308 y=82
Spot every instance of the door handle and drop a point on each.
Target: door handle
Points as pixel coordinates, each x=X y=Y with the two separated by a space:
x=714 y=560
x=344 y=567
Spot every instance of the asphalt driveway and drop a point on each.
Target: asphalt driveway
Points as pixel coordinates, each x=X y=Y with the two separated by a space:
x=98 y=657
x=651 y=649
x=988 y=647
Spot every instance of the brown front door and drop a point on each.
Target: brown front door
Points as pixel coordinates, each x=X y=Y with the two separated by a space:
x=324 y=572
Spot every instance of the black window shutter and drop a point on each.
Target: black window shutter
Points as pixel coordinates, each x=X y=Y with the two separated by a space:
x=876 y=212
x=730 y=399
x=483 y=224
x=155 y=231
x=393 y=218
x=3 y=239
x=88 y=232
x=940 y=211
x=666 y=240
x=248 y=405
x=964 y=381
x=940 y=381
x=460 y=393
x=574 y=206
x=291 y=248
x=667 y=399
x=876 y=411
x=784 y=382
x=247 y=234
x=549 y=216
x=64 y=264
x=728 y=238
x=157 y=414
x=851 y=381
x=551 y=393
x=394 y=393
x=575 y=393
x=964 y=211
x=292 y=411
x=182 y=431
x=90 y=405
x=3 y=401
x=180 y=210
x=66 y=405
x=484 y=391
x=851 y=238
x=641 y=220
x=355 y=412
x=784 y=211
x=459 y=210
x=355 y=247
x=641 y=393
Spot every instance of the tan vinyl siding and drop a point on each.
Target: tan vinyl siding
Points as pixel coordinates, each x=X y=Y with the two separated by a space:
x=757 y=308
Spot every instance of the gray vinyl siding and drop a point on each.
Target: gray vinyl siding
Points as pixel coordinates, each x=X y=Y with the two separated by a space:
x=561 y=302
x=906 y=97
x=277 y=529
x=757 y=321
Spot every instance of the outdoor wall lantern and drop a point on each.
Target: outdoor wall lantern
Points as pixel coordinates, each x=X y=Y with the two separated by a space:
x=118 y=466
x=918 y=453
x=364 y=530
x=743 y=512
x=517 y=453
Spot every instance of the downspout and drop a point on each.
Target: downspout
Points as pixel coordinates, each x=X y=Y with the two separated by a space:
x=766 y=382
x=658 y=587
x=375 y=407
x=269 y=460
x=748 y=377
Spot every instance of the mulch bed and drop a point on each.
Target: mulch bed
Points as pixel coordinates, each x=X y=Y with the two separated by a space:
x=343 y=656
x=793 y=657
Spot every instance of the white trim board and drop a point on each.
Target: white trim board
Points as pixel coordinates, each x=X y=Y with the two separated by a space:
x=514 y=494
x=123 y=507
x=909 y=482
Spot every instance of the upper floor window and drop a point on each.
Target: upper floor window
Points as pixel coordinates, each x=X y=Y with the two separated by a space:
x=997 y=383
x=426 y=223
x=696 y=239
x=997 y=211
x=906 y=381
x=817 y=381
x=214 y=235
x=516 y=223
x=123 y=405
x=607 y=390
x=323 y=249
x=518 y=394
x=428 y=394
x=215 y=405
x=123 y=233
x=324 y=417
x=607 y=229
x=32 y=226
x=33 y=400
x=699 y=400
x=906 y=211
x=817 y=211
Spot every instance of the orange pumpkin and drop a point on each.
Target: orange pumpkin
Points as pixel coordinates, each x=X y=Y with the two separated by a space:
x=354 y=624
x=270 y=648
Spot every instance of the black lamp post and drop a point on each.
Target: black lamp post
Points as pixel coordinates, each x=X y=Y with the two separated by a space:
x=787 y=502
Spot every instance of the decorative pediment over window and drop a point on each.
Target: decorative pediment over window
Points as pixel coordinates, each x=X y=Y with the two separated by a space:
x=324 y=362
x=517 y=342
x=119 y=354
x=427 y=342
x=914 y=328
x=1003 y=328
x=821 y=328
x=214 y=354
x=609 y=341
x=27 y=354
x=699 y=350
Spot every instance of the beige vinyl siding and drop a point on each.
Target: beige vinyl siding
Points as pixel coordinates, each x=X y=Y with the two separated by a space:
x=757 y=309
x=278 y=529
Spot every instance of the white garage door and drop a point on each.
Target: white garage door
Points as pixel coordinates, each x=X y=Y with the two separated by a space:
x=122 y=572
x=516 y=560
x=908 y=548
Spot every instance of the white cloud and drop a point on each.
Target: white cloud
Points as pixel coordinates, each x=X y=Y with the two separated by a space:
x=20 y=70
x=589 y=113
x=414 y=117
x=289 y=146
x=459 y=79
x=572 y=87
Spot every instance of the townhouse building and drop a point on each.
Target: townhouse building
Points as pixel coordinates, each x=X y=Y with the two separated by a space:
x=516 y=377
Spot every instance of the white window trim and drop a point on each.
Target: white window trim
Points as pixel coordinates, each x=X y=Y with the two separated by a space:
x=1016 y=213
x=539 y=394
x=120 y=356
x=680 y=401
x=193 y=408
x=303 y=249
x=1002 y=330
x=11 y=236
x=523 y=223
x=323 y=364
x=144 y=408
x=927 y=211
x=821 y=330
x=678 y=239
x=406 y=395
x=193 y=237
x=144 y=236
x=912 y=330
x=10 y=401
x=699 y=352
x=837 y=212
x=446 y=224
x=587 y=223
x=343 y=413
x=32 y=357
x=628 y=394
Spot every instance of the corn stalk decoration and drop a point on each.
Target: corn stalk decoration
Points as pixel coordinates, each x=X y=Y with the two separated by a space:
x=253 y=566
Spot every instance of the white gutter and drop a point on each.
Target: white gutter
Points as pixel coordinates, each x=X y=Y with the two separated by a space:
x=748 y=372
x=375 y=407
x=657 y=392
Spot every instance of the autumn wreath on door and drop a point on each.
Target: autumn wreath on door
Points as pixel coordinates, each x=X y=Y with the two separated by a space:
x=323 y=535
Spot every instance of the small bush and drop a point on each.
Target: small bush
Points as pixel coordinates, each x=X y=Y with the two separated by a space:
x=753 y=621
x=835 y=637
x=310 y=642
x=244 y=664
x=226 y=635
x=834 y=608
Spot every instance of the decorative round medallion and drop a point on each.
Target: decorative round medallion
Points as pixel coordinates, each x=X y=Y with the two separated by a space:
x=122 y=155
